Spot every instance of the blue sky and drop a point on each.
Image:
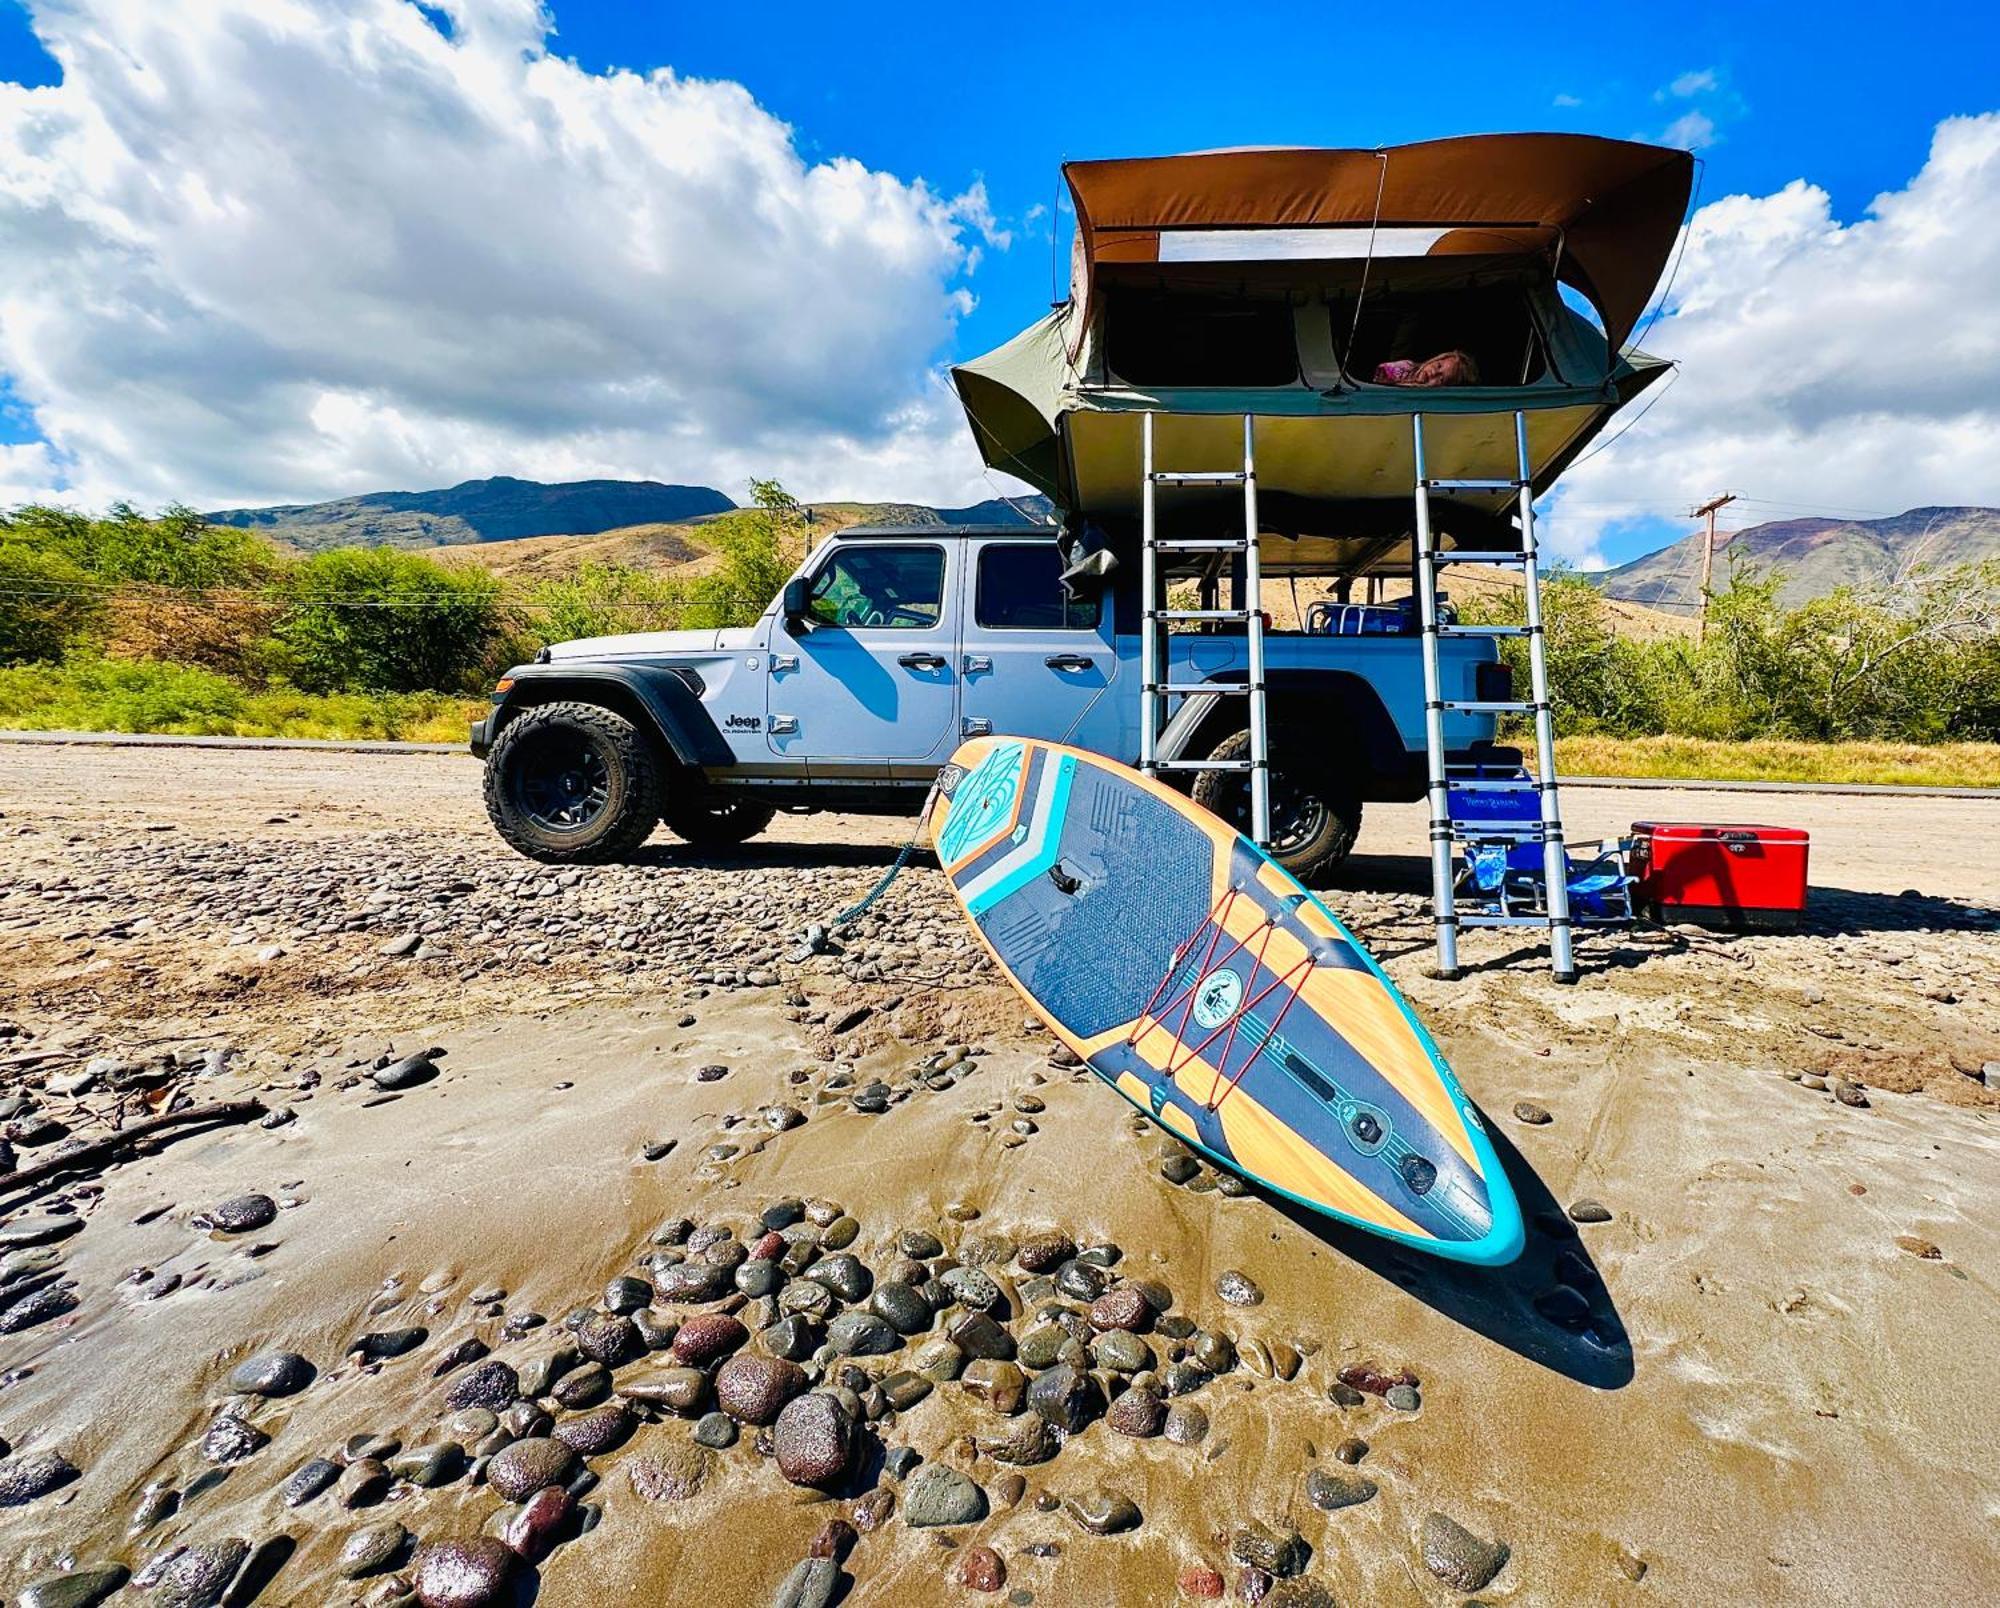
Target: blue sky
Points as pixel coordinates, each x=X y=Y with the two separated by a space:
x=1846 y=96
x=1841 y=93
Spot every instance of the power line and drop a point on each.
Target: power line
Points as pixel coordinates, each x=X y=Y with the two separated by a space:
x=176 y=598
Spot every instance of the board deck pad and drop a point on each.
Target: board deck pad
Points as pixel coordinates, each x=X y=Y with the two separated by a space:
x=1199 y=979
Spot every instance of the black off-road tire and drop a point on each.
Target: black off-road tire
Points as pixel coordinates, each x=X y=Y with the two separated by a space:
x=717 y=819
x=1314 y=825
x=573 y=784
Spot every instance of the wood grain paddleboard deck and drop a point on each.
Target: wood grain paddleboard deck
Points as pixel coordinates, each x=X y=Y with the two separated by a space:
x=1203 y=983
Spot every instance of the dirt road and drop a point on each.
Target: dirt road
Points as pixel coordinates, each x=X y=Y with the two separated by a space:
x=1762 y=1375
x=1872 y=844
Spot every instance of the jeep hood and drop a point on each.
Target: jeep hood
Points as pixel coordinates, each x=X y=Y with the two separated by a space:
x=649 y=644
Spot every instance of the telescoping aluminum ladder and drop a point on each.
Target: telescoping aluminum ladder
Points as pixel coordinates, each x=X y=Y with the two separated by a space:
x=1443 y=778
x=1155 y=650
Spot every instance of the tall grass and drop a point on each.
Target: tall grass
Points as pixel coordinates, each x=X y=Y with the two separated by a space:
x=1777 y=760
x=95 y=694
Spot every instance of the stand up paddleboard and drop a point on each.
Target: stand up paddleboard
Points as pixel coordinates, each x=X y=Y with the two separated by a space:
x=1202 y=982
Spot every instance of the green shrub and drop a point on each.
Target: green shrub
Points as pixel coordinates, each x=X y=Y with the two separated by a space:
x=760 y=547
x=178 y=549
x=47 y=601
x=1915 y=662
x=375 y=619
x=602 y=600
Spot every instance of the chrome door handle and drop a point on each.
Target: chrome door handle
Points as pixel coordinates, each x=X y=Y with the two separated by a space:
x=922 y=661
x=783 y=661
x=975 y=726
x=1070 y=661
x=978 y=664
x=783 y=725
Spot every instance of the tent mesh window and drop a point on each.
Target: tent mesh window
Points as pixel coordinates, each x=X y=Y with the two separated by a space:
x=1164 y=338
x=1493 y=324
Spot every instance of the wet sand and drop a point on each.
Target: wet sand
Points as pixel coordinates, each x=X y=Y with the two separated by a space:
x=1771 y=1398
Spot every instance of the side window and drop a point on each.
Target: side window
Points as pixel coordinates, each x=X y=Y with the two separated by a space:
x=1020 y=589
x=893 y=588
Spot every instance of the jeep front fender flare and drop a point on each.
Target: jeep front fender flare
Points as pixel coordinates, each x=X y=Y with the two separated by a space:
x=650 y=696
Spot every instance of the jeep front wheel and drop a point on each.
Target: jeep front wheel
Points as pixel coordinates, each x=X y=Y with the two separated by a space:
x=715 y=820
x=572 y=783
x=1313 y=826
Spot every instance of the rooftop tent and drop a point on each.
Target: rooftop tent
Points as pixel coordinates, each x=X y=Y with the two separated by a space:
x=1272 y=282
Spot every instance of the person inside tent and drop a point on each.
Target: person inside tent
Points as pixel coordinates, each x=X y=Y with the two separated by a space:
x=1447 y=368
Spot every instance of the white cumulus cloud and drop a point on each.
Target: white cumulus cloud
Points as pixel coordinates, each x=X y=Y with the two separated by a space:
x=1690 y=83
x=1691 y=131
x=1824 y=365
x=257 y=250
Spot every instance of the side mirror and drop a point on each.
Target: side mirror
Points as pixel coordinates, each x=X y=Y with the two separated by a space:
x=796 y=600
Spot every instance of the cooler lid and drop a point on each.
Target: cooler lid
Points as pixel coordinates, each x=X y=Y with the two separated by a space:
x=1703 y=831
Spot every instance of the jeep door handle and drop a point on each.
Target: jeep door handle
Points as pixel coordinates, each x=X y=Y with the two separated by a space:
x=922 y=661
x=1070 y=661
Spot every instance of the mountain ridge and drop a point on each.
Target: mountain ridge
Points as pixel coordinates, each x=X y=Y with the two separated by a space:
x=1816 y=554
x=504 y=508
x=499 y=508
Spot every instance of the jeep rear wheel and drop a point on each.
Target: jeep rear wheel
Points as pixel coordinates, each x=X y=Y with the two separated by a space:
x=572 y=783
x=1313 y=826
x=716 y=819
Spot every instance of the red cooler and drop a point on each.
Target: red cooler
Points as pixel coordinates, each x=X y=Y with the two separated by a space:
x=1741 y=877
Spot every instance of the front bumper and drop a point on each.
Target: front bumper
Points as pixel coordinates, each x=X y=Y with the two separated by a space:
x=482 y=737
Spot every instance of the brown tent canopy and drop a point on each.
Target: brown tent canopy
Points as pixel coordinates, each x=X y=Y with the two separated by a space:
x=1604 y=212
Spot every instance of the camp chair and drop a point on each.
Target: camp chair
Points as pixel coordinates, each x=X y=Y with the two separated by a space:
x=1502 y=870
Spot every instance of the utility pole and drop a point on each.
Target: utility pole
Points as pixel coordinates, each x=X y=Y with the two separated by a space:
x=1707 y=510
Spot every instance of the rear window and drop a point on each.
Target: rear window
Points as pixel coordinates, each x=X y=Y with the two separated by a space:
x=1020 y=589
x=1191 y=339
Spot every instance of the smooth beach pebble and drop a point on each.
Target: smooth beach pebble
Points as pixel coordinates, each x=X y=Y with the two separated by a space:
x=308 y=1480
x=981 y=1569
x=753 y=1389
x=242 y=1214
x=371 y=1548
x=31 y=1475
x=1104 y=1512
x=598 y=1430
x=530 y=1531
x=938 y=1496
x=79 y=1588
x=1043 y=1253
x=492 y=1384
x=273 y=1373
x=813 y=1439
x=1329 y=1491
x=230 y=1440
x=1458 y=1557
x=461 y=1574
x=518 y=1471
x=706 y=1337
x=199 y=1575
